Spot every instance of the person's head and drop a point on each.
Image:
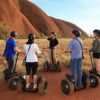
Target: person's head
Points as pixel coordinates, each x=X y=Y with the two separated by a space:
x=96 y=33
x=76 y=33
x=53 y=34
x=31 y=38
x=13 y=34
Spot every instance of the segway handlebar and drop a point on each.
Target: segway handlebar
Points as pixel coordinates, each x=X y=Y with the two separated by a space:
x=14 y=69
x=93 y=67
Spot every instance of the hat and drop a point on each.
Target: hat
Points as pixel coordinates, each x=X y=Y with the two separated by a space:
x=13 y=34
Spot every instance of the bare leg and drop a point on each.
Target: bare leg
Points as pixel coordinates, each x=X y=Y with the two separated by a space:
x=27 y=77
x=98 y=65
x=54 y=56
x=50 y=56
x=35 y=78
x=95 y=62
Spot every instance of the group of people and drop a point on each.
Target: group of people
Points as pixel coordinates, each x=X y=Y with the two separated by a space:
x=31 y=50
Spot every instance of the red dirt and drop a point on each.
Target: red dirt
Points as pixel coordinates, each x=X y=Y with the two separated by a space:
x=54 y=90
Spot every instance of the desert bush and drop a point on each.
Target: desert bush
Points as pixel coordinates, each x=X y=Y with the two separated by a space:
x=4 y=29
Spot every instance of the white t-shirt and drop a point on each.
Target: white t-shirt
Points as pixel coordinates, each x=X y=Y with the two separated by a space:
x=31 y=56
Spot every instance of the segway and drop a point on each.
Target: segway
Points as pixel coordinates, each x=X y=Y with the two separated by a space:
x=68 y=86
x=52 y=66
x=94 y=76
x=11 y=77
x=41 y=85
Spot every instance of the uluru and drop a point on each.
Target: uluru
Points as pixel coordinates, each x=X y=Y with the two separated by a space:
x=24 y=16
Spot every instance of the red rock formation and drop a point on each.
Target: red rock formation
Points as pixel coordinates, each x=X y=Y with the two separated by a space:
x=67 y=27
x=10 y=14
x=37 y=17
x=24 y=17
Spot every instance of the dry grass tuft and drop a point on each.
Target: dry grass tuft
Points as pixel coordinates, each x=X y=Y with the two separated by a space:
x=43 y=45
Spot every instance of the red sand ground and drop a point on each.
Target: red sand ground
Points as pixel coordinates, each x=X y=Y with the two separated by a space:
x=54 y=90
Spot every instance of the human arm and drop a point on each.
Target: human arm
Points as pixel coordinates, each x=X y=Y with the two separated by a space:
x=14 y=46
x=46 y=37
x=18 y=50
x=69 y=47
x=94 y=46
x=37 y=50
x=68 y=50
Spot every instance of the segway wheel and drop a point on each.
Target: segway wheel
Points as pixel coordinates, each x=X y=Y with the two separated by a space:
x=94 y=80
x=21 y=84
x=85 y=80
x=58 y=66
x=12 y=83
x=67 y=86
x=46 y=66
x=86 y=83
x=42 y=85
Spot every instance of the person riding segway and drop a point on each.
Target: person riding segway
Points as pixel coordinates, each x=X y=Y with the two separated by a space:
x=31 y=82
x=94 y=53
x=78 y=79
x=53 y=65
x=11 y=58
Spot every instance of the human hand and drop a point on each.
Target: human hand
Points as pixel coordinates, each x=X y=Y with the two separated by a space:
x=66 y=51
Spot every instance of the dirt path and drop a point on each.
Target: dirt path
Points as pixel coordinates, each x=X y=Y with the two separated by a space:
x=54 y=91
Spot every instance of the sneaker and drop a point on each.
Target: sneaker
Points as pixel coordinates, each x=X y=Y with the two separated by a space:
x=81 y=87
x=28 y=89
x=77 y=88
x=73 y=81
x=35 y=87
x=99 y=74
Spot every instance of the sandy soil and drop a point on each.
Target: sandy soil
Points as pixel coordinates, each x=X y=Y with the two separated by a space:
x=54 y=90
x=54 y=79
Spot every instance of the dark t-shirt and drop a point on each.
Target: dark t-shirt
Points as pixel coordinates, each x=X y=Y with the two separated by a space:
x=53 y=43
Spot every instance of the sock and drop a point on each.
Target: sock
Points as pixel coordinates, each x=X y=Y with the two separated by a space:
x=35 y=85
x=27 y=85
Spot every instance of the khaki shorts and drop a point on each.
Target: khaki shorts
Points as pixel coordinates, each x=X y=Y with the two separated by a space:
x=52 y=55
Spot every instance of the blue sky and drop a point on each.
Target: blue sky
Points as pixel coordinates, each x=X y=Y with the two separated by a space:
x=84 y=13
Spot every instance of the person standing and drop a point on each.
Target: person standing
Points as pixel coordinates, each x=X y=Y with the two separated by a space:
x=75 y=48
x=31 y=50
x=53 y=42
x=10 y=51
x=96 y=49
